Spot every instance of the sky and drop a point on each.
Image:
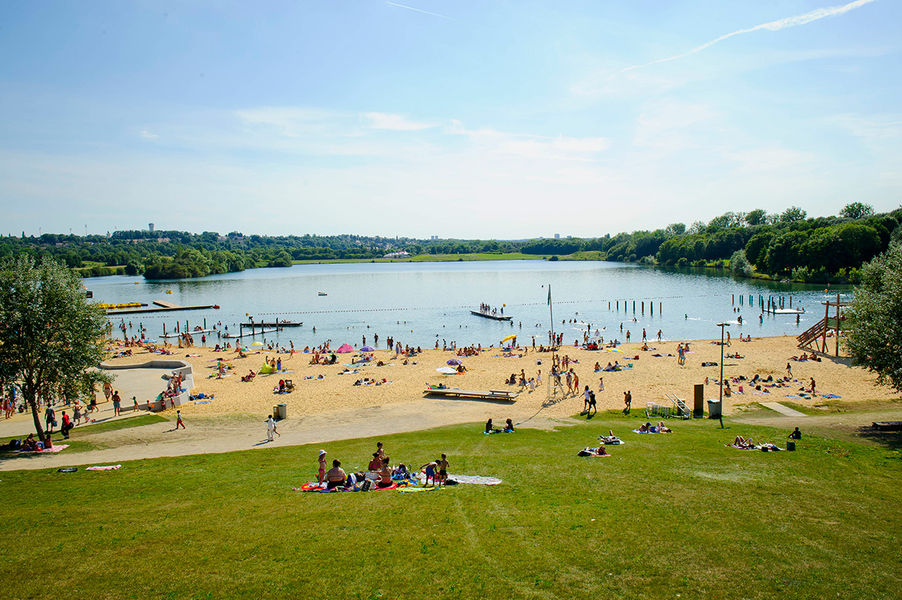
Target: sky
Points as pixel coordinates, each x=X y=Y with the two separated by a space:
x=502 y=119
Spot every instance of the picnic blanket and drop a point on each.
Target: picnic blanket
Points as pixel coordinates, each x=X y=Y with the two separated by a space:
x=471 y=480
x=56 y=448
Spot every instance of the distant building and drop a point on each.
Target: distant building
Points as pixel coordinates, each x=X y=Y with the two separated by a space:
x=401 y=254
x=433 y=237
x=150 y=227
x=557 y=236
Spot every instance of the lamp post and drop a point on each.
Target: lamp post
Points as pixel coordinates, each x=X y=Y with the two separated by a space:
x=722 y=326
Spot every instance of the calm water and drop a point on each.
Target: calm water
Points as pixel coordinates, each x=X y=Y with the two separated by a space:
x=419 y=303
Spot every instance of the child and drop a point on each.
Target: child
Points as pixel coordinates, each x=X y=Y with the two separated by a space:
x=322 y=466
x=430 y=472
x=178 y=421
x=442 y=469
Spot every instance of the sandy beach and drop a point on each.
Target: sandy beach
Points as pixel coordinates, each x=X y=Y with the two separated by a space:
x=332 y=407
x=649 y=380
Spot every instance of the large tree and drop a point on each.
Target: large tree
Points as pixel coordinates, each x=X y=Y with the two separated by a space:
x=50 y=336
x=874 y=334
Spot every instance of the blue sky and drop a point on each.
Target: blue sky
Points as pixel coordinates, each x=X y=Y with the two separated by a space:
x=457 y=119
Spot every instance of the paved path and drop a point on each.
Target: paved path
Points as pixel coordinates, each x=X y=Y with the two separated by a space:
x=783 y=410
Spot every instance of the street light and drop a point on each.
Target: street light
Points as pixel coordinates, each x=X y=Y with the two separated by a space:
x=722 y=326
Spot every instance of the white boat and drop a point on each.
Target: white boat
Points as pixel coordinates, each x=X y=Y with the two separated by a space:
x=322 y=294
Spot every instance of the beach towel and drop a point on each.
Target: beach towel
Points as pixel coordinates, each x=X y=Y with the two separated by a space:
x=67 y=470
x=472 y=480
x=203 y=401
x=104 y=468
x=591 y=453
x=830 y=396
x=605 y=441
x=56 y=448
x=431 y=488
x=655 y=431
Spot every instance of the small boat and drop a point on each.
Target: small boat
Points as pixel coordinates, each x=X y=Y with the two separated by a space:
x=322 y=294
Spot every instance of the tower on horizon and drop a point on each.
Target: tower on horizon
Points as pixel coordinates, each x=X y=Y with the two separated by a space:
x=150 y=227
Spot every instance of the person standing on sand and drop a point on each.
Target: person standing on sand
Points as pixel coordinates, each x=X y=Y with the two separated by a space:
x=789 y=370
x=178 y=420
x=600 y=384
x=575 y=382
x=627 y=400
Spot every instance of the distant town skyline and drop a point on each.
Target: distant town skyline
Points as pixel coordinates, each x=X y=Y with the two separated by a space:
x=503 y=120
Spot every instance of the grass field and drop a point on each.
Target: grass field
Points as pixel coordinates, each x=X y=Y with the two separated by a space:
x=80 y=437
x=667 y=516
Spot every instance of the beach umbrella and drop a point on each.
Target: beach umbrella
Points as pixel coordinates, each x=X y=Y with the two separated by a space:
x=258 y=343
x=510 y=337
x=345 y=348
x=454 y=361
x=367 y=349
x=447 y=370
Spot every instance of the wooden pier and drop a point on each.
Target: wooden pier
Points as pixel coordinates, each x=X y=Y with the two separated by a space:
x=161 y=306
x=479 y=313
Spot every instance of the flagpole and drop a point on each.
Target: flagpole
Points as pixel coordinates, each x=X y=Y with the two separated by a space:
x=551 y=317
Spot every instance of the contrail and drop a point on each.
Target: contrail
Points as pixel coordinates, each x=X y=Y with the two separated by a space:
x=420 y=10
x=815 y=15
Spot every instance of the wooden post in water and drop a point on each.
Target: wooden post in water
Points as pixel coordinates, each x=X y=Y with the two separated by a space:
x=836 y=334
x=643 y=307
x=617 y=303
x=651 y=307
x=634 y=307
x=659 y=308
x=164 y=329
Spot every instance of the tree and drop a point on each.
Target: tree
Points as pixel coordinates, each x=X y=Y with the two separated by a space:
x=756 y=217
x=874 y=334
x=791 y=215
x=856 y=210
x=49 y=334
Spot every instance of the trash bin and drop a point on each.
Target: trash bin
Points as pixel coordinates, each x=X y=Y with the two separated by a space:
x=280 y=411
x=790 y=445
x=714 y=409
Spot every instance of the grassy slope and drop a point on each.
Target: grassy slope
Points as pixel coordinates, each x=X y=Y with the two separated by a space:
x=673 y=514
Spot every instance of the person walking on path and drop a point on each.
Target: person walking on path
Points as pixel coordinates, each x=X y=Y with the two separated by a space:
x=627 y=400
x=271 y=429
x=178 y=420
x=586 y=396
x=592 y=408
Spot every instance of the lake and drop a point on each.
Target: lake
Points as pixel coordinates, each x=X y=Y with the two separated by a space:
x=419 y=303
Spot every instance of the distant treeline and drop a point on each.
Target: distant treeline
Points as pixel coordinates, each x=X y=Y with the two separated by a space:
x=784 y=245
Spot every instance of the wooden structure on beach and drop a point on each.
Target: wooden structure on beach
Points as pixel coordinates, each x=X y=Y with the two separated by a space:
x=503 y=395
x=817 y=333
x=489 y=315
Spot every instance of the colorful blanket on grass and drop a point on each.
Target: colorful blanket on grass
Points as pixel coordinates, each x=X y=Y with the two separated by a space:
x=56 y=448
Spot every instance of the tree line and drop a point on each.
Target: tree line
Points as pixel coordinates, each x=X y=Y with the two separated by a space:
x=780 y=245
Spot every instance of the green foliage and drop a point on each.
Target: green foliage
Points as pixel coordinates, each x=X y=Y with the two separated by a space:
x=740 y=265
x=49 y=334
x=874 y=333
x=856 y=210
x=756 y=217
x=791 y=215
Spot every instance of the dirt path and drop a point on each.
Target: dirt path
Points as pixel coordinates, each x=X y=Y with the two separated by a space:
x=206 y=435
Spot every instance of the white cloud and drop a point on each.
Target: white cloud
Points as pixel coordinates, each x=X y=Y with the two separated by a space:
x=532 y=146
x=148 y=135
x=393 y=122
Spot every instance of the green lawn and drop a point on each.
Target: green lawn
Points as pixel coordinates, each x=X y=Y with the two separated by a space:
x=666 y=516
x=76 y=442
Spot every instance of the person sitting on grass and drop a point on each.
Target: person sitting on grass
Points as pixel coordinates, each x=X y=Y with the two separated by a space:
x=508 y=426
x=644 y=428
x=30 y=444
x=336 y=476
x=795 y=434
x=385 y=475
x=490 y=427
